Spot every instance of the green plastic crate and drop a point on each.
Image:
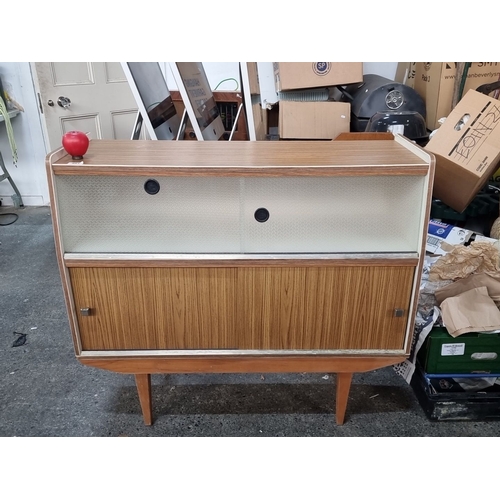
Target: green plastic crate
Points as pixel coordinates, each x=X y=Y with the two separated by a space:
x=444 y=354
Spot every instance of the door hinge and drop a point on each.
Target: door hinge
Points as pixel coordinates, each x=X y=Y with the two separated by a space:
x=40 y=103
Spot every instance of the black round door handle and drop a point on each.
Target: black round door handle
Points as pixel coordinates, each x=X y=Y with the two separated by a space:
x=261 y=215
x=152 y=186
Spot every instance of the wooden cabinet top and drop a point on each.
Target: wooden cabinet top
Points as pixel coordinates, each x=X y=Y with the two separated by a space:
x=395 y=157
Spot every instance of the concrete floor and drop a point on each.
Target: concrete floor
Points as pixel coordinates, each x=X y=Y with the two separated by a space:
x=45 y=391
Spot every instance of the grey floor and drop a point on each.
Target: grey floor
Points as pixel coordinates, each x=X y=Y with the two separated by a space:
x=45 y=391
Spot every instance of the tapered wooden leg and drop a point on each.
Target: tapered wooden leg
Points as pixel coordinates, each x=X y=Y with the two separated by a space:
x=343 y=387
x=143 y=382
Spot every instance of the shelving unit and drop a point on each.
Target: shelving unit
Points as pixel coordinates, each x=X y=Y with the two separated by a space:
x=16 y=197
x=12 y=113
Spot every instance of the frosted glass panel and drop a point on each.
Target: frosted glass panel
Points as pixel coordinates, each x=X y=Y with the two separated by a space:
x=217 y=214
x=115 y=214
x=334 y=214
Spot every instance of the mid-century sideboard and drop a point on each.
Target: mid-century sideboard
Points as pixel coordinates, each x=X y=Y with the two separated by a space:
x=246 y=256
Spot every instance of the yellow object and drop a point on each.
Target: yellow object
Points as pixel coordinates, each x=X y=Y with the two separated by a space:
x=13 y=102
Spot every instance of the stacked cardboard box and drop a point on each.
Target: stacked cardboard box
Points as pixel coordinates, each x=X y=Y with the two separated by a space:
x=304 y=75
x=435 y=82
x=467 y=149
x=304 y=118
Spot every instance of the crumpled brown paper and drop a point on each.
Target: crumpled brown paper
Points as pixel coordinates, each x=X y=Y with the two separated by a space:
x=463 y=285
x=470 y=311
x=462 y=261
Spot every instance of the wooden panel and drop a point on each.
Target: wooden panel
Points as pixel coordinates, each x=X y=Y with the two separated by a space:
x=239 y=308
x=365 y=136
x=185 y=260
x=63 y=270
x=241 y=364
x=87 y=169
x=323 y=308
x=155 y=308
x=249 y=154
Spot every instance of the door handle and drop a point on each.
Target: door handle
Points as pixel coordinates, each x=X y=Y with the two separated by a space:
x=85 y=311
x=64 y=102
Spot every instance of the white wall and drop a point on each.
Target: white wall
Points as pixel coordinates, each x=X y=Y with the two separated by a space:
x=30 y=176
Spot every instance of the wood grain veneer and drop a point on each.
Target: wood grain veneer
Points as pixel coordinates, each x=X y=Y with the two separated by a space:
x=125 y=157
x=238 y=364
x=242 y=308
x=141 y=260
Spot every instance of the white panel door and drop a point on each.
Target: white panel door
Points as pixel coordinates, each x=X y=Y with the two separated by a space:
x=100 y=100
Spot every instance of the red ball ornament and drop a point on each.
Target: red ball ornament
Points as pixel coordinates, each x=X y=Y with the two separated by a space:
x=75 y=143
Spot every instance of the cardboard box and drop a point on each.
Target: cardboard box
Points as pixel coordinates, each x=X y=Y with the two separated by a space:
x=435 y=82
x=304 y=75
x=260 y=121
x=442 y=237
x=313 y=120
x=467 y=149
x=253 y=77
x=405 y=73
